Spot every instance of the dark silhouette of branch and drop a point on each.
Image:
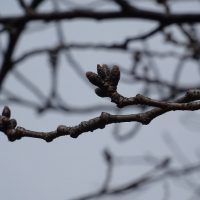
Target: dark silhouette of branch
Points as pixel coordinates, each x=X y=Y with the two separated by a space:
x=148 y=178
x=105 y=15
x=120 y=47
x=13 y=35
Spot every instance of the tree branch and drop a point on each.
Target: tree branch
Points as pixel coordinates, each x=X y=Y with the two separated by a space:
x=105 y=15
x=14 y=35
x=146 y=179
x=106 y=81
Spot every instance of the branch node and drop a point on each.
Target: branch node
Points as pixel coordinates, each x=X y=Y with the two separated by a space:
x=104 y=119
x=74 y=134
x=49 y=138
x=11 y=134
x=62 y=130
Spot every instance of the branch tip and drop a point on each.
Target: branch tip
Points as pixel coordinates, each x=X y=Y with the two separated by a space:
x=6 y=112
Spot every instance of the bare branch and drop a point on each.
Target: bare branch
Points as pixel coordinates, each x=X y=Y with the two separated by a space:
x=106 y=81
x=14 y=35
x=105 y=15
x=148 y=178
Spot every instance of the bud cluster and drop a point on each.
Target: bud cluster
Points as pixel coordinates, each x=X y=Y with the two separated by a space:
x=106 y=79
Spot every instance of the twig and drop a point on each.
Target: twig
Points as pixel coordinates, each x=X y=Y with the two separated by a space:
x=106 y=81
